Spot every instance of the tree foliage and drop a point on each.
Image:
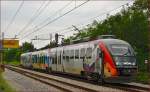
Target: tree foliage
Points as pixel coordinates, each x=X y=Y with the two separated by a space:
x=27 y=47
x=14 y=54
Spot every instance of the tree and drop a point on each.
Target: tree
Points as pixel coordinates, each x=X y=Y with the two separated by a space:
x=12 y=55
x=27 y=47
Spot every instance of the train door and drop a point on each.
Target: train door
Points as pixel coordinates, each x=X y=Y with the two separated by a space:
x=71 y=61
x=66 y=60
x=77 y=64
x=30 y=61
x=49 y=60
x=98 y=65
x=59 y=66
x=54 y=60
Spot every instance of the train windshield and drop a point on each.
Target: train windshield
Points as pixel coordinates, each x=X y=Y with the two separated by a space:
x=123 y=54
x=121 y=50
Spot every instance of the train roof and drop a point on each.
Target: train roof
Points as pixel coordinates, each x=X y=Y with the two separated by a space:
x=106 y=41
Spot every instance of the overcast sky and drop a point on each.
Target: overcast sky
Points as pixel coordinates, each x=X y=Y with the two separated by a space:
x=48 y=11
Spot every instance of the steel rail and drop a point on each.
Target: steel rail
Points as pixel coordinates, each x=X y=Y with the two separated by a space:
x=124 y=87
x=42 y=79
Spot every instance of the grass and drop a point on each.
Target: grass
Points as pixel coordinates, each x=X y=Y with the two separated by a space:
x=143 y=77
x=16 y=63
x=4 y=87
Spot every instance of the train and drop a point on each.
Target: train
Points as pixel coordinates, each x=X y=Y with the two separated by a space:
x=104 y=60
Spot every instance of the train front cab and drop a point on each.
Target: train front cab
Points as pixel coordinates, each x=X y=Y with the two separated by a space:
x=119 y=62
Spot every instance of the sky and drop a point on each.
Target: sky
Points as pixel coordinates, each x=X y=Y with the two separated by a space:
x=33 y=15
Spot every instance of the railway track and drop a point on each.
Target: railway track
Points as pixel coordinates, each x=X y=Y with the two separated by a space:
x=69 y=86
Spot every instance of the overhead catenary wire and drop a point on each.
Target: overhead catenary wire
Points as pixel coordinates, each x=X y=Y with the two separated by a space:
x=39 y=11
x=54 y=13
x=14 y=16
x=79 y=24
x=56 y=31
x=55 y=19
x=51 y=16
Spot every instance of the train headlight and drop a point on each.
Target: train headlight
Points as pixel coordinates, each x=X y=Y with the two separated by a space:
x=118 y=63
x=133 y=63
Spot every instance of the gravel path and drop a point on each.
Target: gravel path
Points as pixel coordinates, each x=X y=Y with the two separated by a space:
x=25 y=84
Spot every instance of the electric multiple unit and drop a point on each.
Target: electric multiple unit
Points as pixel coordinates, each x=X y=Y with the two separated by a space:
x=111 y=60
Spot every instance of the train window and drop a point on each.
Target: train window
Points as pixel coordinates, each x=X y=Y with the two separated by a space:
x=55 y=59
x=46 y=59
x=64 y=54
x=32 y=58
x=67 y=55
x=39 y=59
x=43 y=60
x=120 y=49
x=35 y=58
x=71 y=54
x=42 y=57
x=82 y=53
x=52 y=60
x=58 y=59
x=76 y=54
x=89 y=53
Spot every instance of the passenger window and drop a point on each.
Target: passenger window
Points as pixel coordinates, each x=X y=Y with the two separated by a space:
x=35 y=58
x=82 y=54
x=43 y=59
x=89 y=53
x=52 y=60
x=64 y=54
x=67 y=55
x=76 y=54
x=60 y=57
x=71 y=54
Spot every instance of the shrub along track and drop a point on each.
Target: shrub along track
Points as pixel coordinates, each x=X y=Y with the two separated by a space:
x=70 y=87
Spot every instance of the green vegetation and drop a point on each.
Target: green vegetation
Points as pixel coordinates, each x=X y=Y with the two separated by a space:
x=12 y=56
x=143 y=77
x=4 y=87
x=15 y=63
